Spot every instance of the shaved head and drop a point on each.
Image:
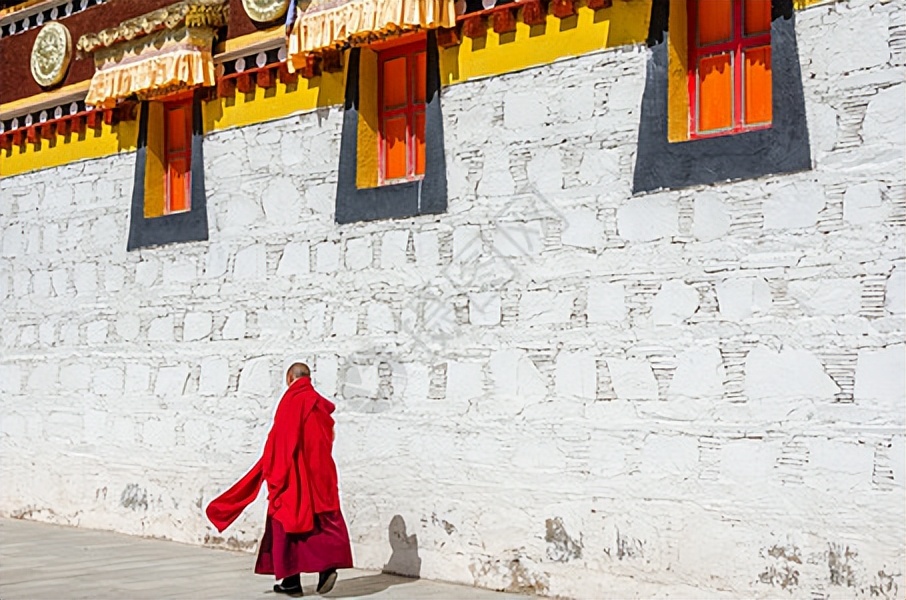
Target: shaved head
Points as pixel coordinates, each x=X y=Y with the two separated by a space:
x=295 y=371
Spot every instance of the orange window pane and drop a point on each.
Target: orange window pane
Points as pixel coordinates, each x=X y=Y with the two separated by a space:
x=421 y=72
x=420 y=143
x=715 y=21
x=715 y=92
x=177 y=128
x=178 y=193
x=394 y=134
x=394 y=82
x=757 y=85
x=756 y=16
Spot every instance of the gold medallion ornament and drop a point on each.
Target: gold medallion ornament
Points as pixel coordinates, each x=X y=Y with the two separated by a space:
x=264 y=11
x=51 y=54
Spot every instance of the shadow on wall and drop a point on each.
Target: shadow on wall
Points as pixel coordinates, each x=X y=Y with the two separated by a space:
x=404 y=559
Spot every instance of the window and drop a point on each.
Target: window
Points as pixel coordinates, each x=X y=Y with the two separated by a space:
x=402 y=88
x=177 y=156
x=729 y=66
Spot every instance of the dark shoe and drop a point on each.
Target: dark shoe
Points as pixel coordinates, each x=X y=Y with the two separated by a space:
x=326 y=580
x=291 y=586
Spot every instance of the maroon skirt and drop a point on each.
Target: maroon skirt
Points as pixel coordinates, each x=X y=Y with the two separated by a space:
x=325 y=547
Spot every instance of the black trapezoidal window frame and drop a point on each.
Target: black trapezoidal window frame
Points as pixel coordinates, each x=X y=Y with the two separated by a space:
x=425 y=196
x=190 y=226
x=782 y=148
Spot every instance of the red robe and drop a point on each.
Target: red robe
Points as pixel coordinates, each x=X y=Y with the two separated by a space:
x=296 y=463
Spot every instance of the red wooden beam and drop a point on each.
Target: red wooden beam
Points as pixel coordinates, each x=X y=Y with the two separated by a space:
x=562 y=8
x=474 y=27
x=447 y=38
x=78 y=124
x=93 y=119
x=533 y=13
x=331 y=61
x=31 y=135
x=47 y=131
x=287 y=78
x=226 y=87
x=18 y=137
x=504 y=21
x=6 y=141
x=266 y=78
x=244 y=83
x=599 y=4
x=63 y=126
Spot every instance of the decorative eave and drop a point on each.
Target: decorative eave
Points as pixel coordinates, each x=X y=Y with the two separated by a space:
x=191 y=13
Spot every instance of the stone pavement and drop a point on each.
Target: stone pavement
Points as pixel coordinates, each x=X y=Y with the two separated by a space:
x=40 y=561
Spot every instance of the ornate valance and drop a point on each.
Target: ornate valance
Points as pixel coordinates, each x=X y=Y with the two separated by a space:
x=335 y=23
x=156 y=54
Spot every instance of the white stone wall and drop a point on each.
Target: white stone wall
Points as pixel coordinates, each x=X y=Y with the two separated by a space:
x=560 y=387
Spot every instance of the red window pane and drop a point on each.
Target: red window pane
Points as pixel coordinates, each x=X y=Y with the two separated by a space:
x=395 y=154
x=757 y=84
x=394 y=83
x=421 y=71
x=178 y=192
x=420 y=143
x=715 y=92
x=177 y=128
x=756 y=17
x=715 y=21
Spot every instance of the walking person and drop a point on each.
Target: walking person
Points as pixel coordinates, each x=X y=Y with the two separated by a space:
x=304 y=531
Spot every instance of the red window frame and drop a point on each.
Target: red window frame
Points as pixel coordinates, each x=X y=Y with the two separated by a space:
x=736 y=46
x=178 y=159
x=414 y=111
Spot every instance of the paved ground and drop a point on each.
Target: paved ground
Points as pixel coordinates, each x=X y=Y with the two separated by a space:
x=40 y=561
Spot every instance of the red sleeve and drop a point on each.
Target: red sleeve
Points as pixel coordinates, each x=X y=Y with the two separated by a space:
x=226 y=508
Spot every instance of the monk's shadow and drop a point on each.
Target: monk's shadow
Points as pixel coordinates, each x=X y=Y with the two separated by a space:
x=403 y=567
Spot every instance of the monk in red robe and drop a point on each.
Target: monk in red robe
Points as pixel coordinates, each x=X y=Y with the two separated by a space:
x=304 y=531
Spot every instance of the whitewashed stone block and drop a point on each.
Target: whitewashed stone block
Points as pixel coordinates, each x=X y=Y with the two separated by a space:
x=581 y=228
x=161 y=329
x=138 y=378
x=86 y=278
x=107 y=381
x=234 y=328
x=467 y=244
x=524 y=111
x=215 y=376
x=114 y=278
x=675 y=302
x=171 y=381
x=327 y=257
x=393 y=249
x=76 y=376
x=675 y=455
x=711 y=218
x=59 y=280
x=885 y=118
x=545 y=307
x=256 y=377
x=197 y=326
x=606 y=303
x=359 y=254
x=484 y=308
x=324 y=376
x=789 y=374
x=439 y=316
x=465 y=381
x=128 y=326
x=518 y=238
x=251 y=264
x=96 y=332
x=632 y=379
x=321 y=198
x=180 y=272
x=515 y=376
x=10 y=379
x=748 y=462
x=828 y=296
x=545 y=170
x=426 y=249
x=380 y=318
x=496 y=179
x=146 y=272
x=599 y=167
x=158 y=433
x=699 y=374
x=345 y=323
x=739 y=298
x=794 y=206
x=217 y=260
x=576 y=375
x=862 y=204
x=241 y=212
x=296 y=260
x=879 y=375
x=281 y=201
x=841 y=465
x=47 y=333
x=360 y=381
x=895 y=294
x=647 y=219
